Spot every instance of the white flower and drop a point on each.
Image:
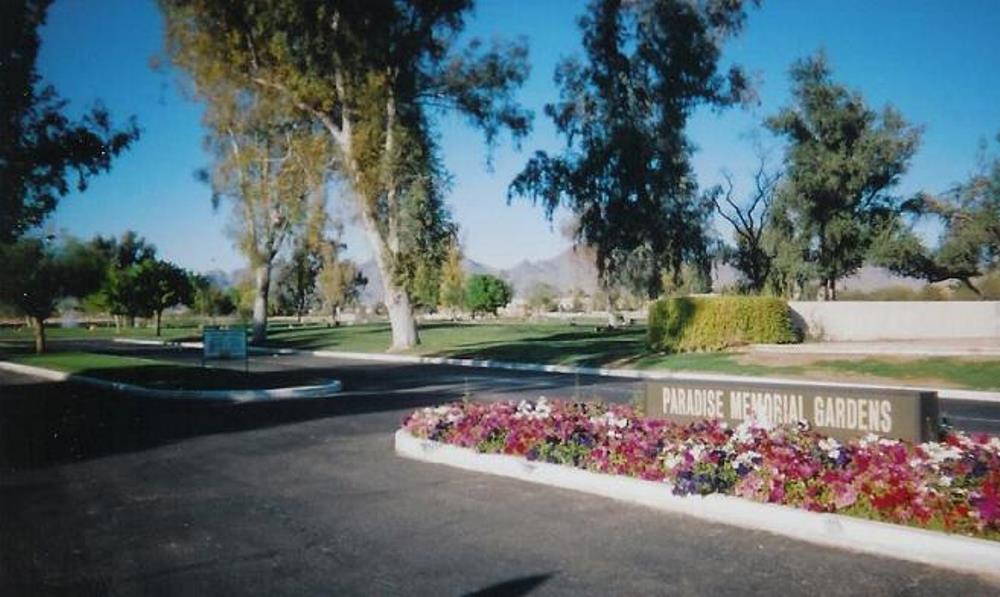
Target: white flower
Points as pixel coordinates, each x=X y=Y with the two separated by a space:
x=535 y=411
x=671 y=460
x=610 y=420
x=743 y=433
x=746 y=459
x=944 y=481
x=830 y=446
x=938 y=453
x=868 y=439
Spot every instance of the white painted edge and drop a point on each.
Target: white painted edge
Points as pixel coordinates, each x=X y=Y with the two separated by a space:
x=236 y=396
x=943 y=393
x=966 y=554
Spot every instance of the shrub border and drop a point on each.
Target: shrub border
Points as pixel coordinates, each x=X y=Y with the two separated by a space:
x=965 y=554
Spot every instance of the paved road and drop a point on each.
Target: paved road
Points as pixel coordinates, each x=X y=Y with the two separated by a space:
x=361 y=377
x=104 y=494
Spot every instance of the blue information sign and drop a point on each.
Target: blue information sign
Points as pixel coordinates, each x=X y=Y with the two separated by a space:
x=224 y=342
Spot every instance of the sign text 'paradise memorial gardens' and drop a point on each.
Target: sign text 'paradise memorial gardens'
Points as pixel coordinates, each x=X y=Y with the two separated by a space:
x=839 y=411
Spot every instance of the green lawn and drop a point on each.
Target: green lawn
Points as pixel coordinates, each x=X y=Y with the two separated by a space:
x=162 y=374
x=563 y=344
x=26 y=334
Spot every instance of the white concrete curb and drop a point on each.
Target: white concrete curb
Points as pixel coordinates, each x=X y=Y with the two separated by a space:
x=977 y=556
x=237 y=396
x=943 y=393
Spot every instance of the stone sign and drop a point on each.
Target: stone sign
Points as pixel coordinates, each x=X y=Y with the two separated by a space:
x=838 y=411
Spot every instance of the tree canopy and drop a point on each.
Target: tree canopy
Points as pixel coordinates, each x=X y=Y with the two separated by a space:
x=969 y=244
x=162 y=285
x=487 y=294
x=625 y=171
x=43 y=150
x=843 y=159
x=37 y=273
x=371 y=74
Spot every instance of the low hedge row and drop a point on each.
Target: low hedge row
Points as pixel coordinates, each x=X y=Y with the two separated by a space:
x=714 y=323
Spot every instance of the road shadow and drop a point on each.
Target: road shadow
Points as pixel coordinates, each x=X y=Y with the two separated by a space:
x=44 y=423
x=48 y=423
x=512 y=588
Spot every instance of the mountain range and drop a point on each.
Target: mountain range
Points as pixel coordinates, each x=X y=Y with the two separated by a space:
x=565 y=271
x=570 y=270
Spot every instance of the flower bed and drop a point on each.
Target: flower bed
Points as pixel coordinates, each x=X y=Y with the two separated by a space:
x=951 y=485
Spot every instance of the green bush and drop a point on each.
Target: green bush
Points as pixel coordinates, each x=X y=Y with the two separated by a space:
x=714 y=323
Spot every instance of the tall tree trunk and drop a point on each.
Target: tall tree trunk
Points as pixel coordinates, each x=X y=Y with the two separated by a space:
x=397 y=299
x=39 y=325
x=401 y=320
x=131 y=320
x=612 y=316
x=159 y=314
x=263 y=280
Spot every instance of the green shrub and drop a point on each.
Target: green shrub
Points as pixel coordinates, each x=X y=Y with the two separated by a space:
x=714 y=323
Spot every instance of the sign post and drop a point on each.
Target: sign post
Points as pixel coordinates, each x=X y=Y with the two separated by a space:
x=225 y=342
x=842 y=412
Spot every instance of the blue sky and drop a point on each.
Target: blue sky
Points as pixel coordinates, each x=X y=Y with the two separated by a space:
x=937 y=62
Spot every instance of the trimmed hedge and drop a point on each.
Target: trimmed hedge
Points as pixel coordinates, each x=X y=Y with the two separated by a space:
x=714 y=323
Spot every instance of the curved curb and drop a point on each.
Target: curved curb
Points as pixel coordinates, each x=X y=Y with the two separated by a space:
x=965 y=554
x=639 y=374
x=235 y=396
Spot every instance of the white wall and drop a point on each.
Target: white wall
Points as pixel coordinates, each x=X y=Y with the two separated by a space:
x=898 y=320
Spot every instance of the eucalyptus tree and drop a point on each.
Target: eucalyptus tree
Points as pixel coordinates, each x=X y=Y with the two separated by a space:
x=843 y=159
x=969 y=218
x=42 y=149
x=297 y=280
x=625 y=171
x=340 y=281
x=372 y=74
x=268 y=162
x=452 y=292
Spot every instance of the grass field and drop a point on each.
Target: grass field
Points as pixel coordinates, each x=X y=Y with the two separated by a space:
x=161 y=374
x=564 y=344
x=26 y=334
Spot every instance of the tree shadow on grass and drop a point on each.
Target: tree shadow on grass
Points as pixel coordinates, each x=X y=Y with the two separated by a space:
x=317 y=338
x=582 y=348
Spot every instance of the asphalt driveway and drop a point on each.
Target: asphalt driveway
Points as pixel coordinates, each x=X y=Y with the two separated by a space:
x=104 y=494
